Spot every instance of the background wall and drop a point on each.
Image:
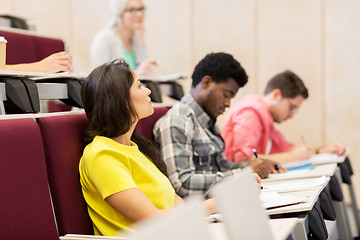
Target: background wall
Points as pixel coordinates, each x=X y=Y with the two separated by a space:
x=317 y=39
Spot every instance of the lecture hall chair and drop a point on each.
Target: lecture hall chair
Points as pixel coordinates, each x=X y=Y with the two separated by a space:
x=62 y=136
x=145 y=126
x=25 y=203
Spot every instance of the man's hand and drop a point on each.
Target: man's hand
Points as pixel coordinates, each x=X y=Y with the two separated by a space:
x=301 y=152
x=264 y=167
x=337 y=148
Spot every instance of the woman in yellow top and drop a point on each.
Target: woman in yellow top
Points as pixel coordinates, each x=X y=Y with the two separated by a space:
x=122 y=177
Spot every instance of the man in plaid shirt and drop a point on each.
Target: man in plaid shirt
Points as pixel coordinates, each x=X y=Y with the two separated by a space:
x=188 y=136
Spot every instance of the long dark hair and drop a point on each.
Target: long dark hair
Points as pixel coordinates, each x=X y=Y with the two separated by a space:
x=105 y=95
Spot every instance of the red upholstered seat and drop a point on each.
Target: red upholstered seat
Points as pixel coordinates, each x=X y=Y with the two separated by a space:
x=24 y=47
x=146 y=125
x=25 y=204
x=63 y=148
x=20 y=48
x=55 y=106
x=46 y=46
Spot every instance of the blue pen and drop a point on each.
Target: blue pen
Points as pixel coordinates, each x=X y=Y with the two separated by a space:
x=254 y=150
x=276 y=167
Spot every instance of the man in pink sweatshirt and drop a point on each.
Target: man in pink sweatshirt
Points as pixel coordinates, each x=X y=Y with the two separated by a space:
x=250 y=124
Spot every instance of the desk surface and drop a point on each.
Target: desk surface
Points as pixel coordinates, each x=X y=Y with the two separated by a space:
x=317 y=171
x=42 y=76
x=281 y=229
x=318 y=159
x=47 y=91
x=311 y=194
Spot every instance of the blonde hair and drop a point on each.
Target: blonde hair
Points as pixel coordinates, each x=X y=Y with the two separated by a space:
x=117 y=7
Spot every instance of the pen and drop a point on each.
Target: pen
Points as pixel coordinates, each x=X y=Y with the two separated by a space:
x=65 y=47
x=302 y=140
x=276 y=167
x=254 y=151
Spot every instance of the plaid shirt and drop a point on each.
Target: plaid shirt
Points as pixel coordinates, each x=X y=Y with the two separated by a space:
x=191 y=151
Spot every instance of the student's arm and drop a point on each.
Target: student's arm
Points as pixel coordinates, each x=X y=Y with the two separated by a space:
x=337 y=148
x=136 y=206
x=57 y=62
x=294 y=153
x=263 y=166
x=304 y=152
x=178 y=200
x=133 y=204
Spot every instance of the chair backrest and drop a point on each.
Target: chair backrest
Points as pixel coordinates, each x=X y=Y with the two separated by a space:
x=62 y=136
x=146 y=125
x=26 y=47
x=25 y=203
x=17 y=45
x=46 y=46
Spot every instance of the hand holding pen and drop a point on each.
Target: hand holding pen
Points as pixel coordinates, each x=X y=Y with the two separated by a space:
x=269 y=165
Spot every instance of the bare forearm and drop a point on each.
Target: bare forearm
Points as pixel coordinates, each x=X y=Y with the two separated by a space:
x=279 y=157
x=25 y=67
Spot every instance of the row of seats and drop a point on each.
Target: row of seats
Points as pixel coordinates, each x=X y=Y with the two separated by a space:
x=41 y=192
x=36 y=47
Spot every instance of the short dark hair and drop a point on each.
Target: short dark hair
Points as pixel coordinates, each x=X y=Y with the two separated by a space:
x=220 y=66
x=105 y=95
x=289 y=84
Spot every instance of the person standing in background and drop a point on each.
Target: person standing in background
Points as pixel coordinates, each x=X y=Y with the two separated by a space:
x=123 y=37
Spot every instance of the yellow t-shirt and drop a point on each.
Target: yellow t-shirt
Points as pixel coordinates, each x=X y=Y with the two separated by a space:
x=108 y=167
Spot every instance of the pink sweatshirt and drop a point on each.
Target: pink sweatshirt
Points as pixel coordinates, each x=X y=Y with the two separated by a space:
x=250 y=125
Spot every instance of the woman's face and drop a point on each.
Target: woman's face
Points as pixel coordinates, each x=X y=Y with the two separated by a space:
x=140 y=98
x=133 y=15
